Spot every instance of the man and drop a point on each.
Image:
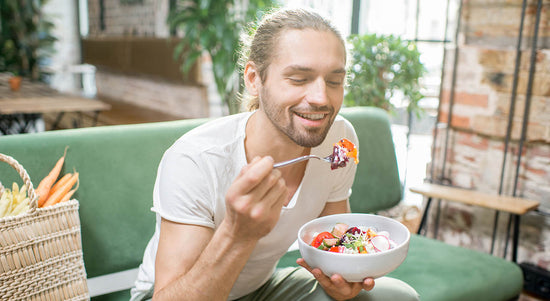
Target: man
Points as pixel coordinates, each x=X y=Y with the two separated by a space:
x=224 y=214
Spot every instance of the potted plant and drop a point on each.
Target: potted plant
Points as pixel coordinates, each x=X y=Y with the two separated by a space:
x=25 y=37
x=214 y=27
x=15 y=82
x=381 y=66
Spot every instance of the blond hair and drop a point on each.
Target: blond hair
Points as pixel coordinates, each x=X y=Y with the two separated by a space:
x=258 y=46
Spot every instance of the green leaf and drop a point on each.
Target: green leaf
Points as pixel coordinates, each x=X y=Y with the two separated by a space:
x=215 y=27
x=178 y=50
x=382 y=65
x=204 y=4
x=190 y=60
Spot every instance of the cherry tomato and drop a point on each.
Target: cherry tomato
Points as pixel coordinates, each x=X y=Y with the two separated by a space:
x=319 y=238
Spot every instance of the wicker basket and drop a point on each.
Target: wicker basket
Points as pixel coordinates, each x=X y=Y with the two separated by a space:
x=41 y=250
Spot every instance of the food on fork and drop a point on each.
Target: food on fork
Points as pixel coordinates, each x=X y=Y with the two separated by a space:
x=353 y=240
x=341 y=153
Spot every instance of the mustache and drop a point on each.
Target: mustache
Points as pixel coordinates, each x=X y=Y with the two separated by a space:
x=313 y=109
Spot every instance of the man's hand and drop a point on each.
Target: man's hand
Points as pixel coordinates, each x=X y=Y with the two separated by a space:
x=336 y=286
x=255 y=199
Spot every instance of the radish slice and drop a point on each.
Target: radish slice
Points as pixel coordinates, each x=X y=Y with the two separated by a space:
x=384 y=233
x=380 y=243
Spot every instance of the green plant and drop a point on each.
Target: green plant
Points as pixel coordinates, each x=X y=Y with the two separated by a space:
x=25 y=37
x=382 y=65
x=215 y=27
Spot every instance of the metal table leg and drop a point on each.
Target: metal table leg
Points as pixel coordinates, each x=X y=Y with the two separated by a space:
x=96 y=117
x=57 y=120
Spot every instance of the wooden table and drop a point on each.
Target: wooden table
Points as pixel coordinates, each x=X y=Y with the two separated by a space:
x=36 y=98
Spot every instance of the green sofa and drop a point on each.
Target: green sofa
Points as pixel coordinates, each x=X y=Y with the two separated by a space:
x=118 y=164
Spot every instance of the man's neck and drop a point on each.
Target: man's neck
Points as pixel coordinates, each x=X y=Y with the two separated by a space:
x=264 y=139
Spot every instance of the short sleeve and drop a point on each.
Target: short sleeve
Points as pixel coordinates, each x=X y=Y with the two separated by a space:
x=181 y=192
x=344 y=178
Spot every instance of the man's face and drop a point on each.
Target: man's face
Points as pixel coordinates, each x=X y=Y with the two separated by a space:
x=304 y=87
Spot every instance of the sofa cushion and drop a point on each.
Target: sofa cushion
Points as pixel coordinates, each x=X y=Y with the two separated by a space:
x=376 y=186
x=439 y=271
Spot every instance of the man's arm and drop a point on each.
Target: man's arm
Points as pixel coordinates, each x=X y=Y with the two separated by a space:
x=198 y=263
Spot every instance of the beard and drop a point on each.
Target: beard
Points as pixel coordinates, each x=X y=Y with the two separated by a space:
x=305 y=137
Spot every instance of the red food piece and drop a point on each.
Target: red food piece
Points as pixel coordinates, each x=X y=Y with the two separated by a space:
x=319 y=238
x=354 y=230
x=337 y=249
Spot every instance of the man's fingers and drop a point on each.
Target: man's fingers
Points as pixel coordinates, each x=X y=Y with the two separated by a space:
x=301 y=262
x=270 y=187
x=266 y=201
x=253 y=174
x=368 y=284
x=317 y=273
x=338 y=280
x=247 y=166
x=336 y=283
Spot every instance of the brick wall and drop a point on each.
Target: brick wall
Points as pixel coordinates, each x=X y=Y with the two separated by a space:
x=146 y=18
x=485 y=69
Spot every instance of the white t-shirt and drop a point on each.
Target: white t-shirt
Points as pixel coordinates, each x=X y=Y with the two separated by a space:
x=196 y=171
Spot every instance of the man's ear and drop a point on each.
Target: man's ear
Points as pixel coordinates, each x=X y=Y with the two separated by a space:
x=252 y=79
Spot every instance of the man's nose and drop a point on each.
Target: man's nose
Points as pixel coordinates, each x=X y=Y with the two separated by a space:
x=317 y=92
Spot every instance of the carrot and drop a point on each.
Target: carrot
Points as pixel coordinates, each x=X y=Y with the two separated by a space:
x=69 y=194
x=45 y=185
x=62 y=191
x=60 y=183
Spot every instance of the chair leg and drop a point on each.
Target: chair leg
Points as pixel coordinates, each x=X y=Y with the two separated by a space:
x=507 y=240
x=515 y=219
x=437 y=218
x=424 y=216
x=495 y=227
x=516 y=238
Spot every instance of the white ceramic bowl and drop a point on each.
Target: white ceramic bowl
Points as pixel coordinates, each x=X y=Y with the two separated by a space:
x=354 y=267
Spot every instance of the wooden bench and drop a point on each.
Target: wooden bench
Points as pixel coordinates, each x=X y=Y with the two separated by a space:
x=515 y=206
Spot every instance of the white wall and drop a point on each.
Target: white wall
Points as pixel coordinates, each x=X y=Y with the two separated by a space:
x=67 y=48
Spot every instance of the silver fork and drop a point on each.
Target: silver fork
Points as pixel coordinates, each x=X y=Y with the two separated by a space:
x=300 y=159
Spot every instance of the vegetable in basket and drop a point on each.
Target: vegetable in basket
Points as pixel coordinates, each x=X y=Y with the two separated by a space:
x=43 y=189
x=52 y=191
x=15 y=201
